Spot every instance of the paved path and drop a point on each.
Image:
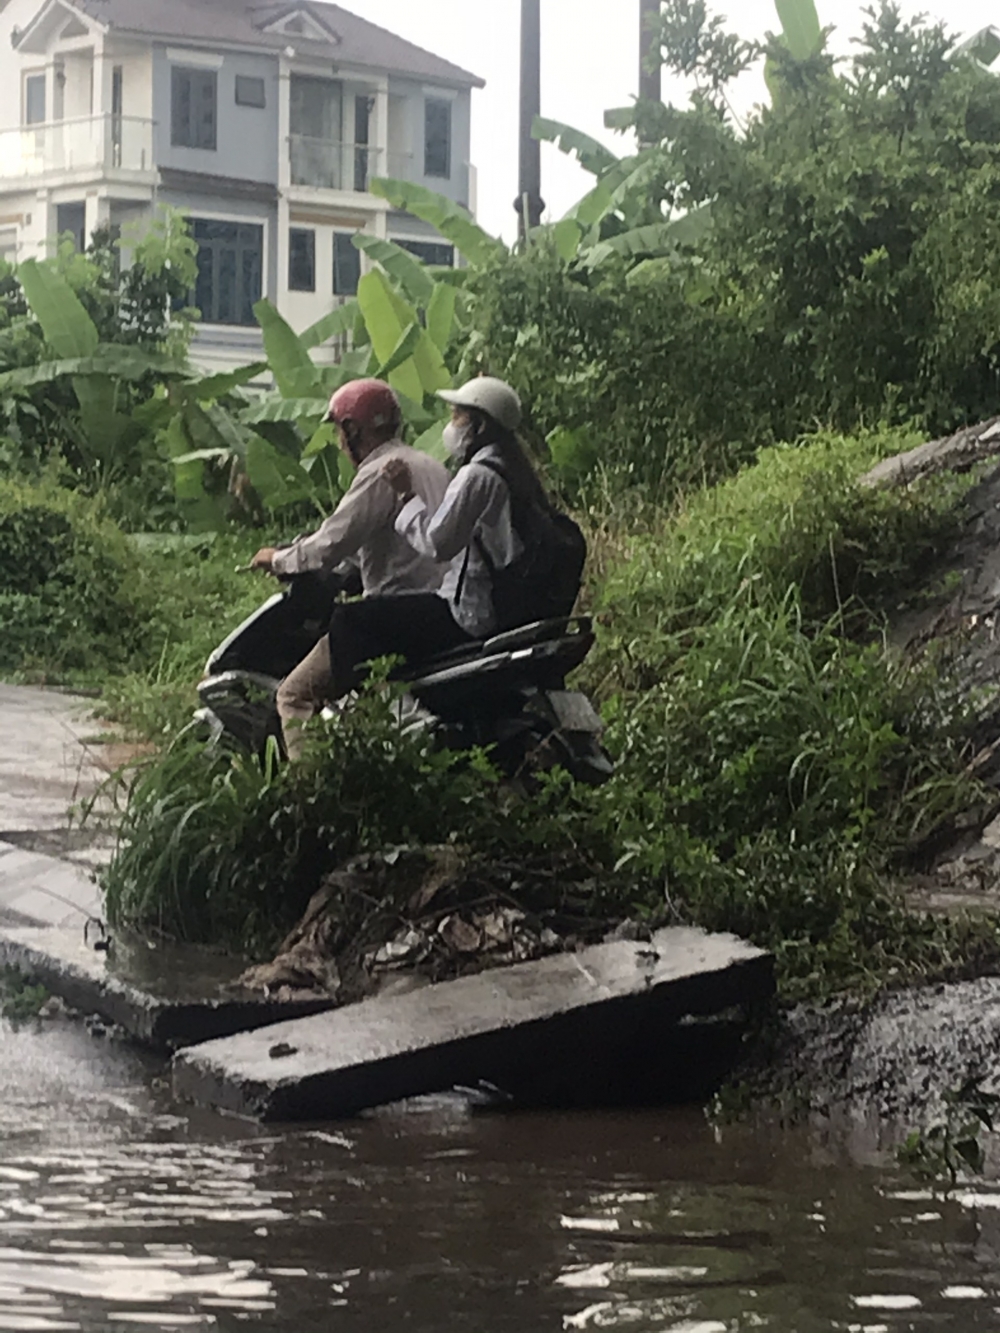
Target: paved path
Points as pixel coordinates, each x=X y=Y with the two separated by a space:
x=47 y=766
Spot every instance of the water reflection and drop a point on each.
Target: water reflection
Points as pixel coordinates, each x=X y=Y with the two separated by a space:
x=121 y=1211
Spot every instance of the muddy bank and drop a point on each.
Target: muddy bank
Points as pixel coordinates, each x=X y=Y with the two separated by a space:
x=888 y=1062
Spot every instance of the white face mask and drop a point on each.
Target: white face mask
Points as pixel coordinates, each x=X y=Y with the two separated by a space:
x=456 y=437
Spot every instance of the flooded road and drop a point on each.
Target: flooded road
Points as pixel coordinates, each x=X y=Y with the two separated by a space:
x=121 y=1211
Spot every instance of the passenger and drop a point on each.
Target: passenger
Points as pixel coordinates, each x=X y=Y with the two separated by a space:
x=398 y=581
x=472 y=532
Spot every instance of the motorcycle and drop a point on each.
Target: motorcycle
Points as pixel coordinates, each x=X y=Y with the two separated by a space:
x=506 y=694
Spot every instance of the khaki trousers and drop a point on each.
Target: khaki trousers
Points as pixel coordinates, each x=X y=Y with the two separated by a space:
x=303 y=693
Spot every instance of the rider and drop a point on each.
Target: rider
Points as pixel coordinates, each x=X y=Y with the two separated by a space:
x=368 y=420
x=472 y=530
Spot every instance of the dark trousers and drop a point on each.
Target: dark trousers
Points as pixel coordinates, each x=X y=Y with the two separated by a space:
x=414 y=626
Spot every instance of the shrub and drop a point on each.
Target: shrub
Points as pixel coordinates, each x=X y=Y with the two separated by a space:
x=71 y=596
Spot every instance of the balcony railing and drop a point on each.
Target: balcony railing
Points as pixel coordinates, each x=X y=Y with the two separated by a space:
x=91 y=143
x=321 y=164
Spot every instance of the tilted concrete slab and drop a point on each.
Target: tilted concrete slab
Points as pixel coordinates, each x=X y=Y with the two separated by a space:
x=601 y=1026
x=164 y=996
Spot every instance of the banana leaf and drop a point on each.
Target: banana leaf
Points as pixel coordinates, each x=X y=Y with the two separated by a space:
x=592 y=155
x=288 y=359
x=449 y=218
x=404 y=269
x=67 y=327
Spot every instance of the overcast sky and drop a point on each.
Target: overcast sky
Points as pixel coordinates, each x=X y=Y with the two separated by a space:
x=590 y=61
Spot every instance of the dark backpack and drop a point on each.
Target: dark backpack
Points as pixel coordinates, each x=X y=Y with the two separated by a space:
x=543 y=582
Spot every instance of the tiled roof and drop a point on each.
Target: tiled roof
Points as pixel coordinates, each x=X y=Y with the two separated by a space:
x=354 y=41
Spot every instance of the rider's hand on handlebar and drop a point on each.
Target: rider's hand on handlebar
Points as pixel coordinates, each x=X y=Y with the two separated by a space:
x=397 y=474
x=264 y=559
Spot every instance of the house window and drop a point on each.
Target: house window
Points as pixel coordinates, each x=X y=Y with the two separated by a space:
x=346 y=265
x=117 y=105
x=250 y=91
x=193 y=108
x=8 y=245
x=363 y=108
x=34 y=99
x=301 y=260
x=437 y=137
x=230 y=270
x=71 y=220
x=431 y=252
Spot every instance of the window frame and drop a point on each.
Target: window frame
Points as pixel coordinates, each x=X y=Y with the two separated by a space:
x=78 y=232
x=210 y=318
x=414 y=246
x=34 y=76
x=258 y=80
x=344 y=239
x=195 y=75
x=447 y=105
x=309 y=235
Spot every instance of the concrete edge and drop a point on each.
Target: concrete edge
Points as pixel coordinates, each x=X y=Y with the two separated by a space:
x=147 y=1019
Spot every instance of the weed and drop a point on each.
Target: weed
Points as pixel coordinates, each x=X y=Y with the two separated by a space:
x=952 y=1146
x=20 y=999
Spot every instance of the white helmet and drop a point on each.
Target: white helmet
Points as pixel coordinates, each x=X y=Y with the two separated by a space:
x=492 y=396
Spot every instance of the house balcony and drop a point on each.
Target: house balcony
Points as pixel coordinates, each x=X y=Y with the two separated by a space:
x=320 y=164
x=88 y=146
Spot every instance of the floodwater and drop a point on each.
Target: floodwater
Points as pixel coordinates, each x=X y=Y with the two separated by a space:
x=121 y=1211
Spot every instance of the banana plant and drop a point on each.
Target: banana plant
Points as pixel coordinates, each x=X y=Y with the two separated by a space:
x=801 y=36
x=105 y=429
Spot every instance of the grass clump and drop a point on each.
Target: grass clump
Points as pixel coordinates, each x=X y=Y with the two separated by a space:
x=221 y=849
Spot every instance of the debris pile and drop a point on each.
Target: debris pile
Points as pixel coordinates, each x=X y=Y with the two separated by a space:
x=427 y=914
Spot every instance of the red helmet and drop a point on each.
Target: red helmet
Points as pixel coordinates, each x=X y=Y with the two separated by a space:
x=368 y=403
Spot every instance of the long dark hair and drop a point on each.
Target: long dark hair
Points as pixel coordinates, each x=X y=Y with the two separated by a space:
x=525 y=485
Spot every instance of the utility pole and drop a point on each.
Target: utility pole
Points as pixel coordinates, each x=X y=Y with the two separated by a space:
x=529 y=203
x=650 y=85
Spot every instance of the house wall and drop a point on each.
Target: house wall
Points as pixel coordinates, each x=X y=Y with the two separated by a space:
x=303 y=309
x=406 y=137
x=17 y=14
x=247 y=138
x=137 y=80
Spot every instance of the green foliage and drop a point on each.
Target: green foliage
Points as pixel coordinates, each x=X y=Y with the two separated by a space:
x=84 y=349
x=20 y=999
x=222 y=848
x=69 y=596
x=832 y=262
x=774 y=761
x=952 y=1147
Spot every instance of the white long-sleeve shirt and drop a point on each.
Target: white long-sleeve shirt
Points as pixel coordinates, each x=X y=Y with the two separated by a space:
x=361 y=528
x=475 y=512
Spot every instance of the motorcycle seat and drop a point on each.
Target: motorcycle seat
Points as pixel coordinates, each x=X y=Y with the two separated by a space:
x=510 y=641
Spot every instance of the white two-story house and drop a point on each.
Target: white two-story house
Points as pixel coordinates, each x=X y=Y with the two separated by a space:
x=264 y=122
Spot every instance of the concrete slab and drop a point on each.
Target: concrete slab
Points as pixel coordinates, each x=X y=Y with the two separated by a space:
x=601 y=1026
x=44 y=890
x=164 y=996
x=46 y=765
